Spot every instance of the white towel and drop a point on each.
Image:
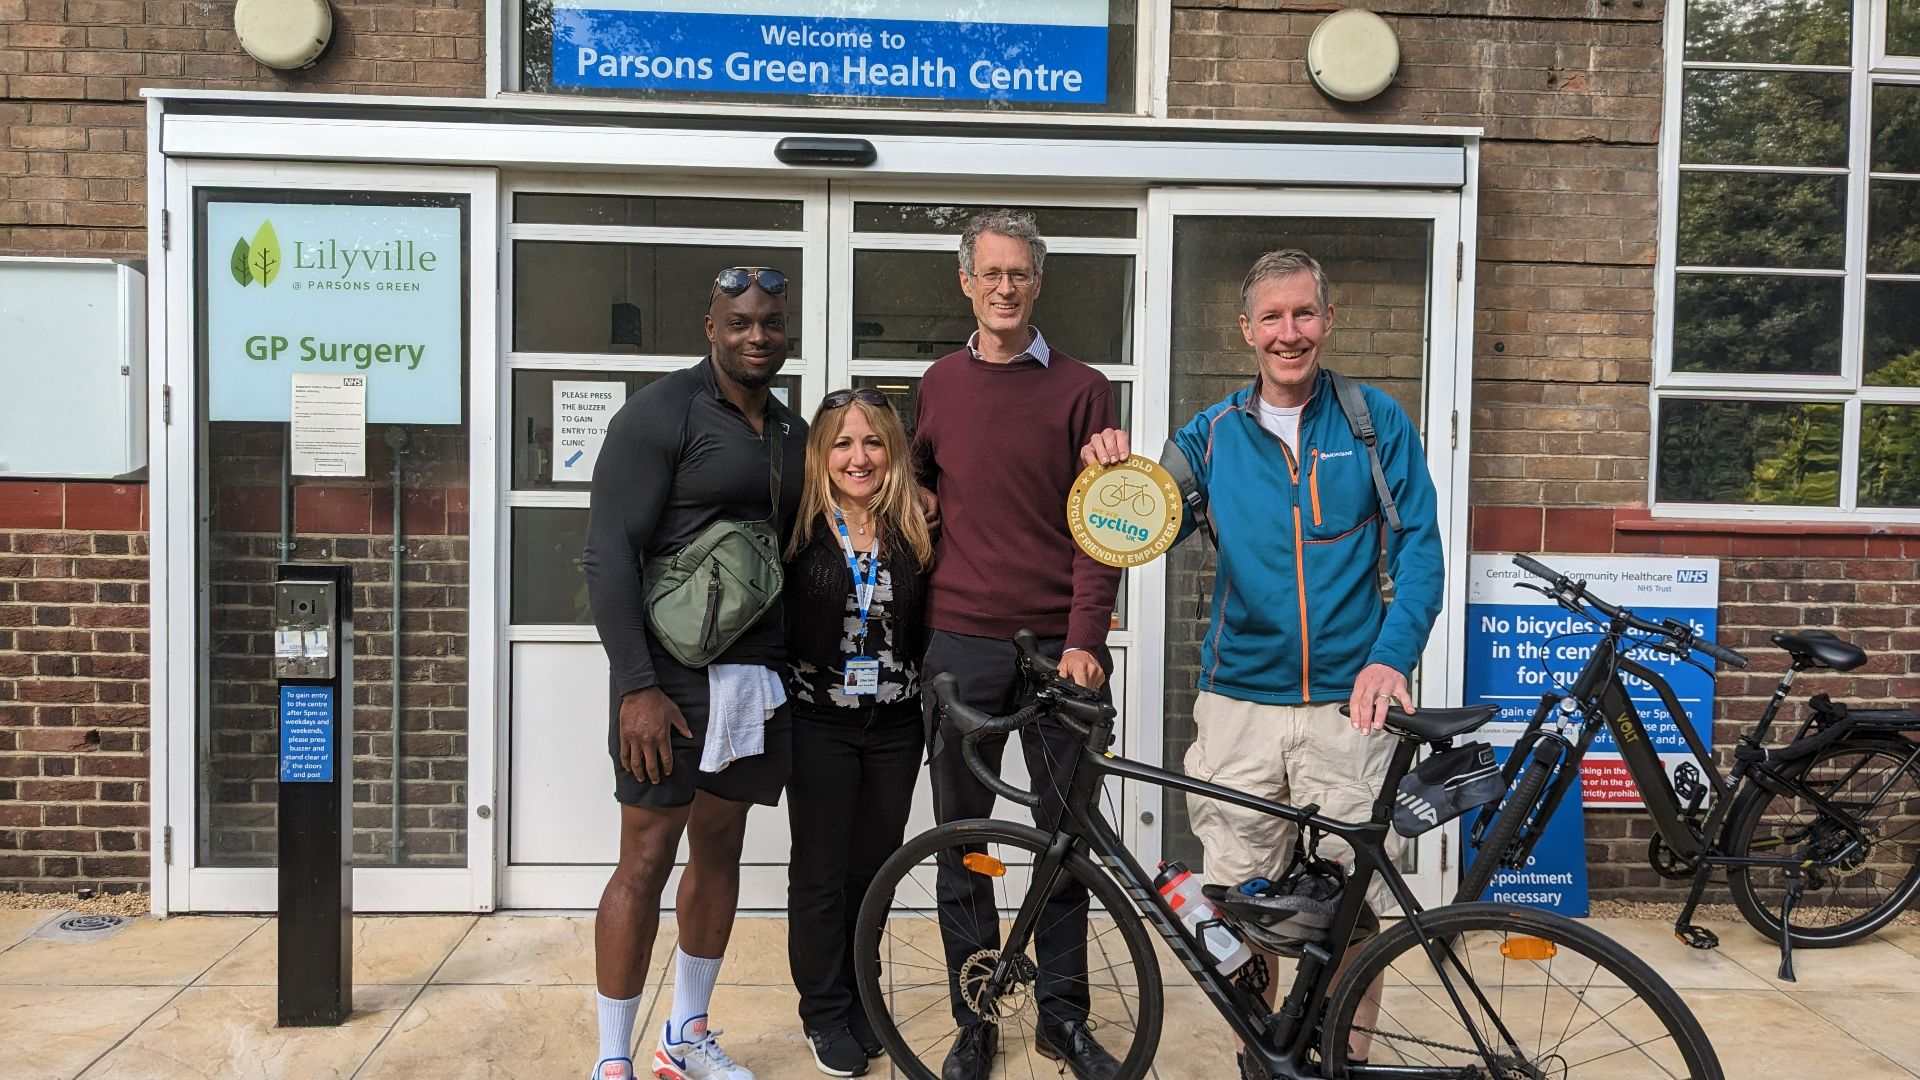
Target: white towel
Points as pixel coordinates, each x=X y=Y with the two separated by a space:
x=740 y=699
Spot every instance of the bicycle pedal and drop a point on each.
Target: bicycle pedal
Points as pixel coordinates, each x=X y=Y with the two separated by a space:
x=1696 y=937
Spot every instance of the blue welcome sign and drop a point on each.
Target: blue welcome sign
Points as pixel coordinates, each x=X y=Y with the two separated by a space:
x=961 y=50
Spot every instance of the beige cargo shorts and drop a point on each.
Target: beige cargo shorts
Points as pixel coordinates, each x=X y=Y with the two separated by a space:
x=1294 y=754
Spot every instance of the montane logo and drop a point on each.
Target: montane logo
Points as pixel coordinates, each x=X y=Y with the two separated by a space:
x=1421 y=808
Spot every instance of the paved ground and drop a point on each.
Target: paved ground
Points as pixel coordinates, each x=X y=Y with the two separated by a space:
x=509 y=996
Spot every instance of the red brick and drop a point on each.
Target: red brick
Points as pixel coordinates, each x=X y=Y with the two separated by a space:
x=1578 y=530
x=29 y=504
x=1506 y=528
x=332 y=510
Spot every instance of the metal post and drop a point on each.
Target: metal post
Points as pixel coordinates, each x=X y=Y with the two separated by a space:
x=313 y=661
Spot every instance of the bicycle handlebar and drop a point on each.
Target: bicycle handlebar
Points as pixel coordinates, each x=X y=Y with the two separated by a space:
x=1075 y=706
x=1572 y=594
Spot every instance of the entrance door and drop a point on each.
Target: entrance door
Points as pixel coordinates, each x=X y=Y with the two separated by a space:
x=606 y=284
x=1392 y=260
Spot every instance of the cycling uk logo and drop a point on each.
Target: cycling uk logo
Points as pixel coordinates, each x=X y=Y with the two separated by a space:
x=257 y=259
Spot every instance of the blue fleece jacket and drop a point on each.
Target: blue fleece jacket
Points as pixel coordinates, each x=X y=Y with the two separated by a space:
x=1297 y=610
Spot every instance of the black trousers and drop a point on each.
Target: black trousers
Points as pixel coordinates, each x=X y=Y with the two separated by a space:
x=989 y=676
x=847 y=803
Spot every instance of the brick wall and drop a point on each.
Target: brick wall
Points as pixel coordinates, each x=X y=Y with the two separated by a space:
x=1569 y=93
x=73 y=686
x=73 y=128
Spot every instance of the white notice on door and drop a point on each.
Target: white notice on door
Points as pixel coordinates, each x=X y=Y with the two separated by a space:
x=581 y=412
x=329 y=425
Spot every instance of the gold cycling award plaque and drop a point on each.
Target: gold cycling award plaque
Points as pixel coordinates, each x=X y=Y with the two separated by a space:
x=1125 y=514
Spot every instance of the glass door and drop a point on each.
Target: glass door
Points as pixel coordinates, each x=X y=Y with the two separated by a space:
x=1391 y=262
x=607 y=284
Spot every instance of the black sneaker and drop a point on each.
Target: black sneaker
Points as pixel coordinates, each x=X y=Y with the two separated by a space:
x=863 y=1033
x=836 y=1053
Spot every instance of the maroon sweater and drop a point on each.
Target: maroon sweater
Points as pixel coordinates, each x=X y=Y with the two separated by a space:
x=1001 y=443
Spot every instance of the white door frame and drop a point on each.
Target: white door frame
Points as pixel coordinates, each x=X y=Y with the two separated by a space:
x=453 y=153
x=176 y=641
x=1446 y=389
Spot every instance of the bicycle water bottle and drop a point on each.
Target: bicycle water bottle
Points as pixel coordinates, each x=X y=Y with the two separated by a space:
x=1181 y=890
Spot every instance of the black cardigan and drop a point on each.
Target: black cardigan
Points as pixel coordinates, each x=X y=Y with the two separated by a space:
x=821 y=619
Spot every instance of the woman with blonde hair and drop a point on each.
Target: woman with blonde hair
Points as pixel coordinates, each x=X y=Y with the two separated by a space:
x=855 y=608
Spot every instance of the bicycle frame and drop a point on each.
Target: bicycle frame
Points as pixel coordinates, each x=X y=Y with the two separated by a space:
x=1280 y=1040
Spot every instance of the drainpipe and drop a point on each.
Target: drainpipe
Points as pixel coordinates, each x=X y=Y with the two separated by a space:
x=396 y=441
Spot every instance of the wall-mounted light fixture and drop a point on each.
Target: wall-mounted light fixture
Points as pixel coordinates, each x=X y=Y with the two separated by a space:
x=283 y=34
x=1353 y=55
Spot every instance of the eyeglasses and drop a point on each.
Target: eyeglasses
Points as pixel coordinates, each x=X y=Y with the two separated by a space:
x=993 y=279
x=840 y=398
x=734 y=280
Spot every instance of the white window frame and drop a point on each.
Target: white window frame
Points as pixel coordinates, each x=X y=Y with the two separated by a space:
x=1877 y=37
x=1846 y=389
x=1153 y=39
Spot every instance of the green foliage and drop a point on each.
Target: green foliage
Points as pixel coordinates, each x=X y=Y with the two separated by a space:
x=1773 y=453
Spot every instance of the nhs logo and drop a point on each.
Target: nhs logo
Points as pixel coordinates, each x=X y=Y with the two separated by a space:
x=1690 y=577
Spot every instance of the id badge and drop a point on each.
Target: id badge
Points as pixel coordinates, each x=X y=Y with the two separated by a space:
x=862 y=677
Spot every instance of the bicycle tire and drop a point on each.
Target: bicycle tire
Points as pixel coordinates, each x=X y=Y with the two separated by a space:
x=1481 y=933
x=898 y=876
x=1823 y=919
x=1507 y=823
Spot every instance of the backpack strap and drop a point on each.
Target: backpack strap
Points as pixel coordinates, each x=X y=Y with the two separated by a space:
x=1174 y=460
x=1360 y=422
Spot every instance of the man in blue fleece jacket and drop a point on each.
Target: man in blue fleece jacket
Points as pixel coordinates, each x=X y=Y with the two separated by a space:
x=1299 y=626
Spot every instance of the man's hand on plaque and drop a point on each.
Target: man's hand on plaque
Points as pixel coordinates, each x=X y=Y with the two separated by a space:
x=1109 y=447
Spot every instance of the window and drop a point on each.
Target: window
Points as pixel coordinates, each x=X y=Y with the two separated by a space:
x=1788 y=370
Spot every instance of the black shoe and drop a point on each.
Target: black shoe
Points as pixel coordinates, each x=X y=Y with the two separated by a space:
x=972 y=1055
x=862 y=1029
x=1075 y=1045
x=836 y=1053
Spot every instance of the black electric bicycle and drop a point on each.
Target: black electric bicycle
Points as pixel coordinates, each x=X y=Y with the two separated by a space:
x=1820 y=838
x=1488 y=991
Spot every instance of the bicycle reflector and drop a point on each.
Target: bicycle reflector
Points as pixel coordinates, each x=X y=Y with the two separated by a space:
x=982 y=863
x=1528 y=948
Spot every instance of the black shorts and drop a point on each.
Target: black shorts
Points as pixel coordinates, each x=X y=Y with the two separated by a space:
x=757 y=779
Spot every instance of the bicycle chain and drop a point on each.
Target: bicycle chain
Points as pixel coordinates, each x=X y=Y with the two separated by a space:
x=1437 y=1045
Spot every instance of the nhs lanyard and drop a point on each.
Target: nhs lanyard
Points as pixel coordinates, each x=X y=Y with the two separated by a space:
x=862 y=588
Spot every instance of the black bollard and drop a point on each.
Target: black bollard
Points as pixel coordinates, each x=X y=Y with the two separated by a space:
x=313 y=661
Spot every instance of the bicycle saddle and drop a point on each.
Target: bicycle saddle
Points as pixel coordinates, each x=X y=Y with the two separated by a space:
x=1821 y=648
x=1433 y=725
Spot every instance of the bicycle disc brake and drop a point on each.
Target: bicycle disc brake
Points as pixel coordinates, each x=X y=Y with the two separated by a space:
x=1667 y=862
x=977 y=973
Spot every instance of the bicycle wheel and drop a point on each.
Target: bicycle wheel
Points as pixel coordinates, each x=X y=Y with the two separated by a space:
x=1507 y=822
x=1875 y=786
x=1546 y=995
x=923 y=972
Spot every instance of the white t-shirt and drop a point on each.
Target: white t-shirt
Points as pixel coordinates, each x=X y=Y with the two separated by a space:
x=1284 y=423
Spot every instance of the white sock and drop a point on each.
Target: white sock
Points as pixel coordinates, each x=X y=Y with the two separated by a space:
x=616 y=1025
x=693 y=979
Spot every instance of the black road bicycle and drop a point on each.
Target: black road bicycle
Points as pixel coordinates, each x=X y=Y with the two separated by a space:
x=1487 y=991
x=1819 y=838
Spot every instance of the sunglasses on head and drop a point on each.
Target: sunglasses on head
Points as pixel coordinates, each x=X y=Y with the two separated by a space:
x=734 y=280
x=841 y=398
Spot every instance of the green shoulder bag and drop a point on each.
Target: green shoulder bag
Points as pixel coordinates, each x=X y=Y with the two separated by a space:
x=704 y=596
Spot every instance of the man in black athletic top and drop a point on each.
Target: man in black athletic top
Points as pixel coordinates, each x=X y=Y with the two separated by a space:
x=683 y=453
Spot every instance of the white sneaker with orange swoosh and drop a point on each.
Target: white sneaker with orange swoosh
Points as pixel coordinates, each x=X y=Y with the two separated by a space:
x=696 y=1056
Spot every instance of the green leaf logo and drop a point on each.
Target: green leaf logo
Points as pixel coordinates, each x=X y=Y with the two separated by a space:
x=237 y=262
x=263 y=260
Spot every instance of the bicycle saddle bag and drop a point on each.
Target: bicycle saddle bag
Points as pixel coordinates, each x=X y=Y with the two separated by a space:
x=1446 y=785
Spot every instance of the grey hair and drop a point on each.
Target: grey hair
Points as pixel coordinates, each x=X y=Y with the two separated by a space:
x=1277 y=265
x=1013 y=224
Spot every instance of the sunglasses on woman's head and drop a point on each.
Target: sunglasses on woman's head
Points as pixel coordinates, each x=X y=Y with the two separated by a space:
x=844 y=397
x=734 y=280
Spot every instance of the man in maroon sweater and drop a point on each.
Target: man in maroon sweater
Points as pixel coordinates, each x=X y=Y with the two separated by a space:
x=998 y=435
